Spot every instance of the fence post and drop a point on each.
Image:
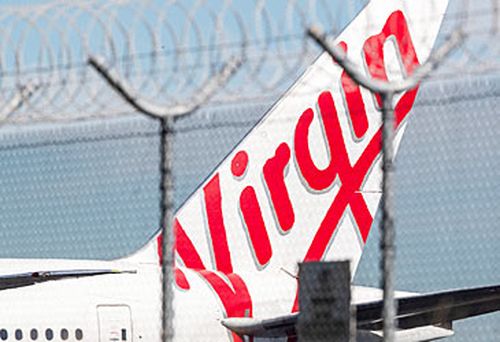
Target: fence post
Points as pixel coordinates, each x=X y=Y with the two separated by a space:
x=387 y=90
x=166 y=116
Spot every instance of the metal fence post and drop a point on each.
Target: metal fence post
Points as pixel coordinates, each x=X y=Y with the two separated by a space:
x=387 y=233
x=387 y=90
x=166 y=116
x=166 y=218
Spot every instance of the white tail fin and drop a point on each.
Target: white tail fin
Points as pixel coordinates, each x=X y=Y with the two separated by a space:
x=305 y=183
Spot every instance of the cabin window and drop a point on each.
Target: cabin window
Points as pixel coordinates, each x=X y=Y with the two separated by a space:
x=49 y=334
x=64 y=334
x=34 y=334
x=79 y=334
x=4 y=335
x=18 y=334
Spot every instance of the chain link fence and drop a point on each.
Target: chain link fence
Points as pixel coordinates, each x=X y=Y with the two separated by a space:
x=80 y=168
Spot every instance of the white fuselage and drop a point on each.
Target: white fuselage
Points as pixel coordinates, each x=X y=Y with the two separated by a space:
x=99 y=307
x=127 y=307
x=122 y=306
x=304 y=185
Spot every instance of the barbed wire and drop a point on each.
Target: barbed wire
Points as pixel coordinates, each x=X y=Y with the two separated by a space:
x=168 y=50
x=216 y=118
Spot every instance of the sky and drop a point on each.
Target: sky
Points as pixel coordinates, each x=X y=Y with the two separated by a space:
x=90 y=190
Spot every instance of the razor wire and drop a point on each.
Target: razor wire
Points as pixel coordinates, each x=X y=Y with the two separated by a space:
x=169 y=50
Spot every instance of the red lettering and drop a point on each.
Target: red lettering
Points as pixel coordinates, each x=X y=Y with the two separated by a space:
x=228 y=286
x=353 y=176
x=185 y=248
x=187 y=252
x=239 y=164
x=180 y=279
x=213 y=206
x=320 y=179
x=235 y=298
x=354 y=101
x=252 y=215
x=397 y=27
x=344 y=197
x=317 y=179
x=274 y=175
x=351 y=179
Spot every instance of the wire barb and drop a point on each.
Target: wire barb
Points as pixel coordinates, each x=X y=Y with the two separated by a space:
x=120 y=85
x=168 y=51
x=24 y=93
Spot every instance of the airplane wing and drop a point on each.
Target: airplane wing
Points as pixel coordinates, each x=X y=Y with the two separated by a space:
x=413 y=311
x=12 y=281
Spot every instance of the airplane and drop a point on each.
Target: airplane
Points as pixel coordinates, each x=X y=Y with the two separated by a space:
x=297 y=188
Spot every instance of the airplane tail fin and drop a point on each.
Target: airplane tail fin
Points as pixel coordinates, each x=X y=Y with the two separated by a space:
x=304 y=184
x=306 y=178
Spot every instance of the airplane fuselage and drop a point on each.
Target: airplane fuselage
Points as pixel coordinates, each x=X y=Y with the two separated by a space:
x=114 y=307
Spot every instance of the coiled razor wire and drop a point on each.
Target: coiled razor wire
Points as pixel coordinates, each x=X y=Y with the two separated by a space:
x=167 y=50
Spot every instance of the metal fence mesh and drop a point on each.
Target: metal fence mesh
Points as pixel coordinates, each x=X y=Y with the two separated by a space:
x=92 y=187
x=80 y=173
x=446 y=197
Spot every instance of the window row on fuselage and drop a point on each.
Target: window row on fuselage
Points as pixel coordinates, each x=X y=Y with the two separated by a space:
x=36 y=335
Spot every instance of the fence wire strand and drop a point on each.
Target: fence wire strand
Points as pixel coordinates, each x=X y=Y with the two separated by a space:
x=168 y=51
x=79 y=162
